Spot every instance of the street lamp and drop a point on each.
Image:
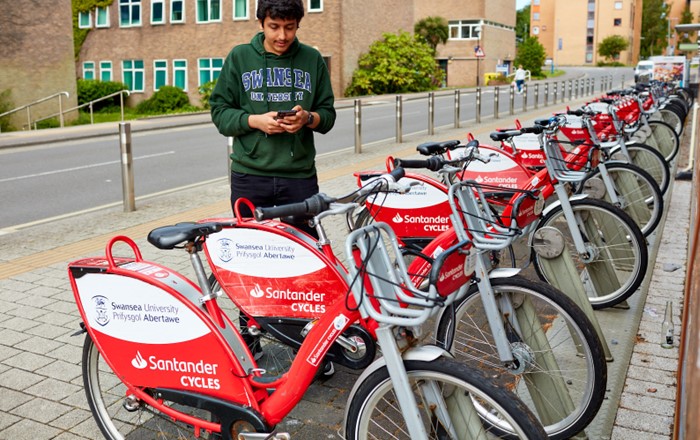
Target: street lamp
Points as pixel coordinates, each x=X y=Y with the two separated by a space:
x=669 y=47
x=478 y=52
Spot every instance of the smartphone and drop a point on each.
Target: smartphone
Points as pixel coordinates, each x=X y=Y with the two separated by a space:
x=284 y=113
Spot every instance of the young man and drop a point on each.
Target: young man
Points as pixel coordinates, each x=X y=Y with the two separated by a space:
x=273 y=160
x=271 y=95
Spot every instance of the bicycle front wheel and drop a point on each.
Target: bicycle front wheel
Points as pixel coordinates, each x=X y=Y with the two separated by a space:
x=450 y=397
x=635 y=190
x=664 y=138
x=647 y=158
x=560 y=371
x=615 y=260
x=120 y=416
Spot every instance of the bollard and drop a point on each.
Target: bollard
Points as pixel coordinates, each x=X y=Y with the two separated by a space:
x=622 y=83
x=571 y=89
x=399 y=119
x=229 y=151
x=127 y=167
x=358 y=126
x=559 y=268
x=512 y=100
x=61 y=120
x=478 y=105
x=546 y=94
x=537 y=95
x=556 y=92
x=457 y=107
x=524 y=97
x=431 y=113
x=563 y=90
x=496 y=92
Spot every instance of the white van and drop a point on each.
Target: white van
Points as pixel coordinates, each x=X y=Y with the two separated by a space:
x=644 y=71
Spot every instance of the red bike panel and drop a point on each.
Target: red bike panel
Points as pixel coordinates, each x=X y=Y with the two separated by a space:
x=147 y=323
x=503 y=169
x=269 y=272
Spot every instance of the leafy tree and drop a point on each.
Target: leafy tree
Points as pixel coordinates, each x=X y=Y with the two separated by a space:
x=522 y=24
x=531 y=55
x=686 y=18
x=611 y=46
x=398 y=63
x=654 y=27
x=434 y=30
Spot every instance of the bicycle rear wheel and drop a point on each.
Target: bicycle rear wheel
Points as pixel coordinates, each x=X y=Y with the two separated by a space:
x=664 y=138
x=561 y=376
x=450 y=397
x=616 y=257
x=647 y=158
x=123 y=417
x=637 y=192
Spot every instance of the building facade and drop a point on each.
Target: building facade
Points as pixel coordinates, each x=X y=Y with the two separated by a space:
x=37 y=57
x=570 y=31
x=150 y=43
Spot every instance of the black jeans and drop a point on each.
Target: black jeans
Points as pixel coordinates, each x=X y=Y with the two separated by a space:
x=267 y=191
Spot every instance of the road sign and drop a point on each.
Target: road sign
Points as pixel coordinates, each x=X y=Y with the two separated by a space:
x=478 y=52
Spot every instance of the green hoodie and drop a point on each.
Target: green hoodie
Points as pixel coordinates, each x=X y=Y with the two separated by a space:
x=253 y=81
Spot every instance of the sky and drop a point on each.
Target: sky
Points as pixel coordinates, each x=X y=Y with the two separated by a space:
x=520 y=3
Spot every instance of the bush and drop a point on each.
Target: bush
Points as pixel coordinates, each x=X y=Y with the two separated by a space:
x=90 y=90
x=166 y=99
x=5 y=106
x=205 y=93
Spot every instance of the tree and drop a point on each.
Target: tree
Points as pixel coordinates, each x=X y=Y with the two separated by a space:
x=434 y=30
x=522 y=24
x=654 y=27
x=531 y=55
x=611 y=46
x=398 y=63
x=684 y=36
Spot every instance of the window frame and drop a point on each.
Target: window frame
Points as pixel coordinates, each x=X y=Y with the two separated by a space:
x=460 y=25
x=97 y=16
x=214 y=72
x=172 y=11
x=135 y=71
x=618 y=3
x=177 y=69
x=164 y=13
x=617 y=22
x=247 y=11
x=82 y=15
x=104 y=69
x=317 y=9
x=209 y=9
x=131 y=5
x=156 y=70
x=89 y=69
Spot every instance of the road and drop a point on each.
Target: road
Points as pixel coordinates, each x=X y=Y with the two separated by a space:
x=45 y=181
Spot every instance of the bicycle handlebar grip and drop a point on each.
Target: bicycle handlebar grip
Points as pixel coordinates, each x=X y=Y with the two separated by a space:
x=578 y=112
x=535 y=129
x=397 y=173
x=311 y=206
x=433 y=163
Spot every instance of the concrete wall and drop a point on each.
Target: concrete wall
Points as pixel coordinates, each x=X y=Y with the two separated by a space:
x=36 y=48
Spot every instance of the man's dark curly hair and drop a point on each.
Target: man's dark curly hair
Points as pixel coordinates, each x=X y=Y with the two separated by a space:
x=280 y=9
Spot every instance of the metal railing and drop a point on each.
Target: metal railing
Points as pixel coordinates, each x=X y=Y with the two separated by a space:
x=28 y=108
x=90 y=105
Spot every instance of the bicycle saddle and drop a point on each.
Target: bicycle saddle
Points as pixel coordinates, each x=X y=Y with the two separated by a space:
x=503 y=135
x=167 y=237
x=433 y=148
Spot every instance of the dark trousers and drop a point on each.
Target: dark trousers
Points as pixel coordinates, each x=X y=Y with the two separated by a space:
x=267 y=191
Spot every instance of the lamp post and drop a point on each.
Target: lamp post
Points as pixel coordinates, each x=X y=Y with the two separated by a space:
x=478 y=53
x=669 y=47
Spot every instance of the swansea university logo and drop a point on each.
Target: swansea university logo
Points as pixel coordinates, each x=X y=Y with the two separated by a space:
x=100 y=303
x=225 y=253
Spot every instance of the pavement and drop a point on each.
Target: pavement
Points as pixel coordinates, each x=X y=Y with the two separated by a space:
x=41 y=391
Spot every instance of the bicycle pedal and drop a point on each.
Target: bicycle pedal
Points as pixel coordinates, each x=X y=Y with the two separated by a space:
x=264 y=436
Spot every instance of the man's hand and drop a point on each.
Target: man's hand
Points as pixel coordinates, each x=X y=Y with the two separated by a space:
x=269 y=124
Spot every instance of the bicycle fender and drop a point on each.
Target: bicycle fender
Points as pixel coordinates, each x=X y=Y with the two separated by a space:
x=549 y=209
x=420 y=353
x=504 y=272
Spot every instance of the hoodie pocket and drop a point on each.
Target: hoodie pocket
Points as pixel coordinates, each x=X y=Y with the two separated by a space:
x=249 y=145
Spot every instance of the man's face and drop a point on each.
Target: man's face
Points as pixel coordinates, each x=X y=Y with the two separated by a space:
x=279 y=34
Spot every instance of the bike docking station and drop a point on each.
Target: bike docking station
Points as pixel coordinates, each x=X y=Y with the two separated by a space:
x=548 y=242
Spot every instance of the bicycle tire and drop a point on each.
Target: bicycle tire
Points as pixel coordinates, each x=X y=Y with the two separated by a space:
x=672 y=117
x=664 y=138
x=639 y=195
x=468 y=337
x=373 y=412
x=617 y=250
x=106 y=395
x=647 y=158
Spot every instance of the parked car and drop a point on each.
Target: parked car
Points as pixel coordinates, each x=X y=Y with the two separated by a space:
x=644 y=71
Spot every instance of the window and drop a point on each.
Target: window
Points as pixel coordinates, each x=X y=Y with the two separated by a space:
x=536 y=2
x=177 y=11
x=536 y=16
x=208 y=11
x=84 y=20
x=129 y=13
x=240 y=9
x=618 y=5
x=209 y=69
x=160 y=74
x=102 y=17
x=315 y=5
x=464 y=29
x=88 y=70
x=157 y=11
x=133 y=75
x=105 y=71
x=617 y=22
x=589 y=57
x=180 y=74
x=535 y=30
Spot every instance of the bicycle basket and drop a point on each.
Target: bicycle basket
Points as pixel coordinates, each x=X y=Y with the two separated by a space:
x=574 y=167
x=380 y=283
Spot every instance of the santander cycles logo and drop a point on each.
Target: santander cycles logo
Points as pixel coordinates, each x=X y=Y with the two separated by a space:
x=138 y=361
x=257 y=292
x=397 y=218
